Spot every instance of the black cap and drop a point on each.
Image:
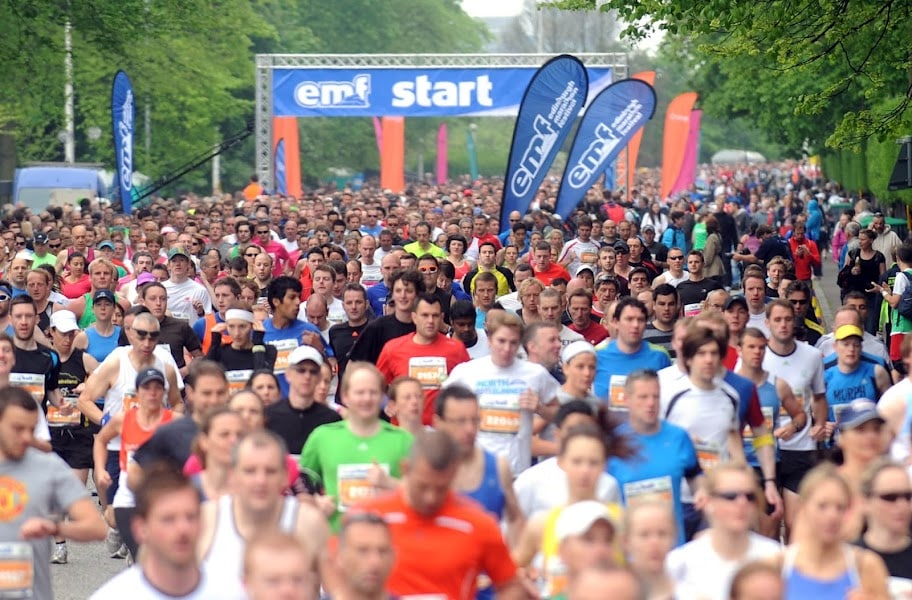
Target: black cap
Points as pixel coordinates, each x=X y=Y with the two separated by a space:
x=147 y=375
x=621 y=247
x=736 y=300
x=104 y=295
x=41 y=238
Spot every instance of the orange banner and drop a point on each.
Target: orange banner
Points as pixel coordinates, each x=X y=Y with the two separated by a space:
x=674 y=140
x=287 y=128
x=392 y=160
x=628 y=156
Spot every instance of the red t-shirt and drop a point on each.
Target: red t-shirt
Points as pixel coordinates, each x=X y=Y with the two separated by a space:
x=430 y=364
x=594 y=334
x=553 y=272
x=804 y=265
x=461 y=531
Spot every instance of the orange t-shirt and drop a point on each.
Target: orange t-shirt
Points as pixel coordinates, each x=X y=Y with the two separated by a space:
x=132 y=435
x=443 y=554
x=430 y=364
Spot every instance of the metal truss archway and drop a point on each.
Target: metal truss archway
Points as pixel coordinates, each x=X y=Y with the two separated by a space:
x=267 y=64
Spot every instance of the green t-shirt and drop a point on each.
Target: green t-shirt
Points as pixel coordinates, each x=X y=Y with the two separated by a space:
x=47 y=259
x=699 y=236
x=340 y=460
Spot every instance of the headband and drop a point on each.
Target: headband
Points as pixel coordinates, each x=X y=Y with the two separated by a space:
x=240 y=315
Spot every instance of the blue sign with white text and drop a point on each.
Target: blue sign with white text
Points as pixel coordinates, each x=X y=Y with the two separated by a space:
x=408 y=92
x=122 y=115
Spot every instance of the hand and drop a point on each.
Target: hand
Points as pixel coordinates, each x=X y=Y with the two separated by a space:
x=198 y=306
x=856 y=271
x=818 y=433
x=220 y=327
x=771 y=492
x=260 y=314
x=202 y=276
x=37 y=528
x=785 y=432
x=528 y=400
x=326 y=504
x=376 y=476
x=312 y=339
x=830 y=428
x=102 y=478
x=700 y=498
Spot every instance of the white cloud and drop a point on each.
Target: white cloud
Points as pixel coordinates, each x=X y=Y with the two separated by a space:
x=492 y=8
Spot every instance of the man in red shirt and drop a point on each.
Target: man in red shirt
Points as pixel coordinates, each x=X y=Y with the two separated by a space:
x=579 y=305
x=442 y=540
x=426 y=355
x=545 y=270
x=804 y=252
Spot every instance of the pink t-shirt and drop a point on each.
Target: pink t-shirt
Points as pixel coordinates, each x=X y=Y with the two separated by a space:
x=193 y=467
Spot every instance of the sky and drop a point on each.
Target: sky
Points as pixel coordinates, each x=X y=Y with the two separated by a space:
x=492 y=8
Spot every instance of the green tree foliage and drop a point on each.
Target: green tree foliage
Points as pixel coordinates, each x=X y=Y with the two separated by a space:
x=798 y=68
x=192 y=64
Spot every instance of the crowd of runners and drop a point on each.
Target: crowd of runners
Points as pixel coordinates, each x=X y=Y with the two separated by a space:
x=364 y=395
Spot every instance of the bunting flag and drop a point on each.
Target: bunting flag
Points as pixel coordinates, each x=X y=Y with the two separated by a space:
x=442 y=159
x=548 y=109
x=625 y=167
x=392 y=158
x=378 y=135
x=689 y=165
x=281 y=183
x=285 y=131
x=122 y=118
x=611 y=120
x=674 y=141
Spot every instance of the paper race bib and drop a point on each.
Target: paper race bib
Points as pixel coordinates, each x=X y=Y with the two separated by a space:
x=588 y=258
x=17 y=570
x=354 y=485
x=33 y=383
x=708 y=454
x=431 y=371
x=616 y=399
x=692 y=310
x=283 y=351
x=657 y=489
x=500 y=420
x=69 y=416
x=238 y=379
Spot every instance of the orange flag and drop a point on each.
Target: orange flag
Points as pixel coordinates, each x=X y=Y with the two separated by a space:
x=674 y=140
x=392 y=160
x=286 y=128
x=628 y=156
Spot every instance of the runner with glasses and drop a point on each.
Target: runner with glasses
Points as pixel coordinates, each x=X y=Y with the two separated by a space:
x=115 y=381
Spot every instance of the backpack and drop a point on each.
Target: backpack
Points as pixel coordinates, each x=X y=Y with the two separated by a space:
x=904 y=308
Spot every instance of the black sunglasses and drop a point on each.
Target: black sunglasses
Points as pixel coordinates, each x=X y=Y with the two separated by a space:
x=54 y=246
x=143 y=334
x=893 y=497
x=732 y=496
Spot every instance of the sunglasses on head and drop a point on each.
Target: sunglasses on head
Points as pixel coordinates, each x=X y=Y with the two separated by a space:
x=143 y=334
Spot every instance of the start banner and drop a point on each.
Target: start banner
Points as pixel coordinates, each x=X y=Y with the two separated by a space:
x=408 y=92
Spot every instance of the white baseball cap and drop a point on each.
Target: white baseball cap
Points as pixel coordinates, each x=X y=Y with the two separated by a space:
x=64 y=321
x=302 y=353
x=576 y=519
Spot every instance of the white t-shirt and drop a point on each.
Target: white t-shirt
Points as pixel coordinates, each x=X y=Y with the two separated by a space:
x=481 y=348
x=900 y=393
x=544 y=486
x=581 y=253
x=505 y=430
x=370 y=274
x=699 y=573
x=568 y=336
x=181 y=297
x=758 y=321
x=708 y=416
x=803 y=371
x=335 y=314
x=133 y=584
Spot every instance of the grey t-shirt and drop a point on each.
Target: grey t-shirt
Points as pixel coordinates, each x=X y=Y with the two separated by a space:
x=38 y=485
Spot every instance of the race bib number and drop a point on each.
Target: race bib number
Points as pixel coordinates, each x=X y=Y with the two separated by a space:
x=588 y=258
x=130 y=401
x=354 y=485
x=500 y=420
x=66 y=416
x=616 y=399
x=283 y=351
x=657 y=489
x=692 y=310
x=431 y=371
x=708 y=455
x=238 y=379
x=17 y=570
x=33 y=383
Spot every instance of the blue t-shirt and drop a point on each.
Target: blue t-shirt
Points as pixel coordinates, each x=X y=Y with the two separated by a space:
x=612 y=362
x=100 y=347
x=770 y=406
x=662 y=461
x=842 y=388
x=377 y=296
x=287 y=339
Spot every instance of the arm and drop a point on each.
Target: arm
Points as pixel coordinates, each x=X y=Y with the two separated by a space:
x=84 y=524
x=819 y=410
x=541 y=447
x=100 y=449
x=882 y=380
x=82 y=341
x=97 y=386
x=515 y=518
x=893 y=411
x=814 y=253
x=529 y=542
x=174 y=397
x=873 y=574
x=735 y=446
x=793 y=408
x=765 y=446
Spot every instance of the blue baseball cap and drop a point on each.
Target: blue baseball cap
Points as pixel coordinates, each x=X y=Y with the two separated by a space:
x=858 y=413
